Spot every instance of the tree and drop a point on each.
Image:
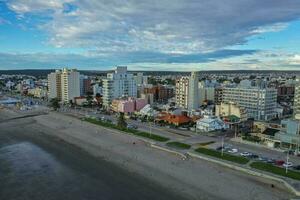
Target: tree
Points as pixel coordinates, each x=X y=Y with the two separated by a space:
x=121 y=121
x=54 y=103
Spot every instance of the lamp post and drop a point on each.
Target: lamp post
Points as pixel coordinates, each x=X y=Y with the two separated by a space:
x=222 y=145
x=287 y=161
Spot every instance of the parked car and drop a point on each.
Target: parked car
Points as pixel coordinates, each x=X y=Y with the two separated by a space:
x=232 y=150
x=253 y=156
x=219 y=148
x=132 y=126
x=287 y=164
x=279 y=162
x=297 y=167
x=263 y=159
x=271 y=161
x=245 y=154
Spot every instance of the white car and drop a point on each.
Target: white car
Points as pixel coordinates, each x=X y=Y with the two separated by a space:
x=245 y=154
x=233 y=151
x=287 y=164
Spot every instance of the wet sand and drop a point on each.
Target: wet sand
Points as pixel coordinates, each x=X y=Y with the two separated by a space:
x=97 y=163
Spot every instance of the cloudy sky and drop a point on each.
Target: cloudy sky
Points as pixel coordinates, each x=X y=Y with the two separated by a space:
x=177 y=35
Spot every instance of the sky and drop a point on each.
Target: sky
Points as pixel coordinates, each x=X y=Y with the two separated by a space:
x=168 y=35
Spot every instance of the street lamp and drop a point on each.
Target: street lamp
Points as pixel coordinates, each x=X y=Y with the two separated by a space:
x=287 y=161
x=222 y=145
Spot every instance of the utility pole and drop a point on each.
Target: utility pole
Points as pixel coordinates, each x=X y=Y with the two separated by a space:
x=287 y=161
x=222 y=145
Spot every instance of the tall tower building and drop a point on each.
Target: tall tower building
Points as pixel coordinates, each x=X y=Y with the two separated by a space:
x=70 y=84
x=193 y=93
x=54 y=85
x=297 y=99
x=118 y=84
x=64 y=85
x=181 y=93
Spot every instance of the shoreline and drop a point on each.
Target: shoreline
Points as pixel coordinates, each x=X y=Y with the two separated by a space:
x=193 y=178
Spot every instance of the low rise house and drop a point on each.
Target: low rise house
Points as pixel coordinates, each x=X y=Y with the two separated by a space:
x=210 y=123
x=129 y=105
x=176 y=120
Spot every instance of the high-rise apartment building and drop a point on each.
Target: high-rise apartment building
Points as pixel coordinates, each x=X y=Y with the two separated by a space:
x=193 y=92
x=118 y=84
x=297 y=99
x=260 y=103
x=70 y=84
x=182 y=92
x=64 y=85
x=54 y=85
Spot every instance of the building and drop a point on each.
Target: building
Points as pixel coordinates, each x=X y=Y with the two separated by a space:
x=38 y=92
x=129 y=105
x=289 y=136
x=285 y=93
x=210 y=123
x=173 y=119
x=64 y=85
x=296 y=111
x=85 y=85
x=181 y=92
x=193 y=92
x=54 y=85
x=118 y=84
x=229 y=109
x=206 y=94
x=218 y=95
x=260 y=103
x=97 y=89
x=70 y=85
x=160 y=93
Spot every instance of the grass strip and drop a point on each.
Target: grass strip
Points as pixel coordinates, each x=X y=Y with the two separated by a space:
x=226 y=156
x=178 y=145
x=127 y=130
x=275 y=170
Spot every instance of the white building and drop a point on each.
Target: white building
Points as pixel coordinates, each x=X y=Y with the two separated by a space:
x=210 y=123
x=193 y=92
x=97 y=89
x=54 y=85
x=181 y=92
x=297 y=99
x=118 y=84
x=64 y=85
x=70 y=84
x=260 y=103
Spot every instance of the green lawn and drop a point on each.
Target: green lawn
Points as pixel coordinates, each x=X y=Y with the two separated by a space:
x=178 y=145
x=131 y=131
x=275 y=170
x=226 y=156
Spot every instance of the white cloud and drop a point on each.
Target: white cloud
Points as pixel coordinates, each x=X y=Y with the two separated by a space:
x=160 y=25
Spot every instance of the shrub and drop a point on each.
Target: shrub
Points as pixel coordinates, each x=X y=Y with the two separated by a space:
x=275 y=170
x=226 y=156
x=179 y=145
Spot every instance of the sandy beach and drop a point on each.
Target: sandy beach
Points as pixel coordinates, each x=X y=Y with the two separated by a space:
x=192 y=178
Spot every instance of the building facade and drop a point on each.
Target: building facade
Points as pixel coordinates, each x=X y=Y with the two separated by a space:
x=182 y=92
x=260 y=103
x=193 y=92
x=118 y=84
x=64 y=85
x=297 y=99
x=54 y=85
